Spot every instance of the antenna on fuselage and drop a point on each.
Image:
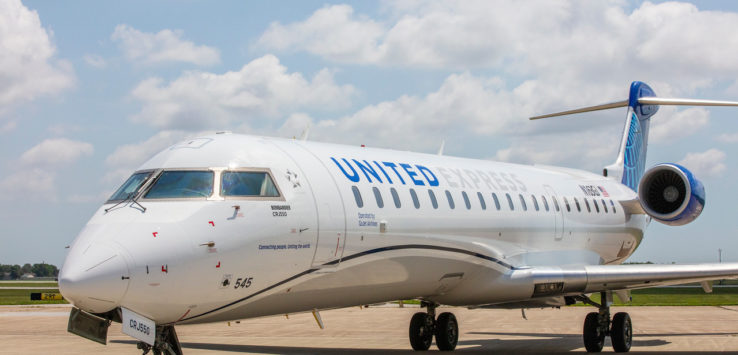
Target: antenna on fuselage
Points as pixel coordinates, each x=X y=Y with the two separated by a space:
x=305 y=133
x=443 y=144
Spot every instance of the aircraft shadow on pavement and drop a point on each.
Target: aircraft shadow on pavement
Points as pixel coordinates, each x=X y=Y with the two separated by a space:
x=547 y=344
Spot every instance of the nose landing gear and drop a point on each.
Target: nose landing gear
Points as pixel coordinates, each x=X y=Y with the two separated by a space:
x=424 y=326
x=597 y=326
x=166 y=343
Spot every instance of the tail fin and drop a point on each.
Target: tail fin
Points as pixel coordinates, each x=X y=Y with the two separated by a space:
x=642 y=103
x=631 y=159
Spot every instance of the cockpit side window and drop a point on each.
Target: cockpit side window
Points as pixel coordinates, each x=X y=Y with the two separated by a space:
x=130 y=188
x=182 y=184
x=248 y=184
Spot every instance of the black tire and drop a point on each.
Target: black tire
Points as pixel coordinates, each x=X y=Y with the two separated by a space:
x=421 y=331
x=621 y=332
x=447 y=332
x=594 y=339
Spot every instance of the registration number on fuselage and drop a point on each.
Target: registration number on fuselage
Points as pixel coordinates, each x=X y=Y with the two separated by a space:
x=138 y=326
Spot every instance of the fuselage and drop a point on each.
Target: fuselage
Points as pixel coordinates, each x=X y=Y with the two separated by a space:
x=338 y=226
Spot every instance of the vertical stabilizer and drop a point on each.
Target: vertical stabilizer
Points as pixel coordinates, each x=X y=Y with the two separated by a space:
x=631 y=159
x=642 y=103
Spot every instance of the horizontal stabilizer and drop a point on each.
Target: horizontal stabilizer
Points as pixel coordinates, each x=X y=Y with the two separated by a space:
x=584 y=109
x=642 y=101
x=683 y=102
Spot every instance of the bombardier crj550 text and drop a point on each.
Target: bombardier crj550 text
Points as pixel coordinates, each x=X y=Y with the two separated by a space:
x=228 y=227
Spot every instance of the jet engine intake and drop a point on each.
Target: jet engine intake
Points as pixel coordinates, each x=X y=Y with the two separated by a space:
x=670 y=194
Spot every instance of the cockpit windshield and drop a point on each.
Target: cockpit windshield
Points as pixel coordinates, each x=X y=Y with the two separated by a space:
x=248 y=183
x=130 y=188
x=182 y=184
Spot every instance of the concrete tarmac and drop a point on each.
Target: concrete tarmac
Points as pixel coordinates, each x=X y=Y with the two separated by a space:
x=382 y=330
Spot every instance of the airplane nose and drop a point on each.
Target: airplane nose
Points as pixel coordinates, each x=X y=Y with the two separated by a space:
x=95 y=280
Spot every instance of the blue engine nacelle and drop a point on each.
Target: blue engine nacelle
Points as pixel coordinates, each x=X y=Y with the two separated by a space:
x=670 y=194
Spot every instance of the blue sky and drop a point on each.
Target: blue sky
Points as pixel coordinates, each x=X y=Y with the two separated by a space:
x=90 y=90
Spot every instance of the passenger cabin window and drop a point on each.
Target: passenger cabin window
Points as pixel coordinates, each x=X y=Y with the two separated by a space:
x=130 y=188
x=586 y=203
x=576 y=202
x=481 y=201
x=450 y=200
x=466 y=200
x=434 y=202
x=378 y=197
x=604 y=205
x=597 y=207
x=414 y=196
x=556 y=203
x=535 y=202
x=395 y=197
x=497 y=202
x=247 y=184
x=566 y=202
x=509 y=201
x=357 y=197
x=522 y=202
x=545 y=202
x=182 y=184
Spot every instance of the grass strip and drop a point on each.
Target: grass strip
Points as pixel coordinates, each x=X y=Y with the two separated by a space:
x=22 y=297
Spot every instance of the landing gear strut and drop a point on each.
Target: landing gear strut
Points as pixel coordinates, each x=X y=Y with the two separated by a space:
x=424 y=325
x=166 y=342
x=597 y=326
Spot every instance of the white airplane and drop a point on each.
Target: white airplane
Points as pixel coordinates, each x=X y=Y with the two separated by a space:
x=228 y=227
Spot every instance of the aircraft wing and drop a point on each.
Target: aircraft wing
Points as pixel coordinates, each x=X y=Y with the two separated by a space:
x=558 y=281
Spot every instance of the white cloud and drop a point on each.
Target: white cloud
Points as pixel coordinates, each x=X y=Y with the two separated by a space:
x=33 y=183
x=126 y=158
x=710 y=163
x=552 y=39
x=589 y=149
x=163 y=46
x=296 y=125
x=28 y=68
x=35 y=175
x=55 y=152
x=467 y=107
x=670 y=125
x=332 y=31
x=562 y=55
x=260 y=91
x=728 y=138
x=95 y=61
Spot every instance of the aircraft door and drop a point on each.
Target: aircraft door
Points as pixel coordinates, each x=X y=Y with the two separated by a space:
x=331 y=219
x=559 y=215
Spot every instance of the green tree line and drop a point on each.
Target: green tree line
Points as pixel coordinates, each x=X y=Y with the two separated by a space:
x=14 y=272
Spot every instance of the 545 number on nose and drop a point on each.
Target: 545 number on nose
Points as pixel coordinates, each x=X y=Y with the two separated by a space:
x=243 y=282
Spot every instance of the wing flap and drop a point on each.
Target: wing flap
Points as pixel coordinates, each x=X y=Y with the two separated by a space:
x=550 y=281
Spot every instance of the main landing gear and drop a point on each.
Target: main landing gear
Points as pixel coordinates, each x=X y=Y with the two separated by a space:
x=424 y=325
x=597 y=326
x=166 y=342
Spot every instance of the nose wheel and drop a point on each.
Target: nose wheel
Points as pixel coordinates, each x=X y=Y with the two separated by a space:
x=597 y=325
x=424 y=326
x=166 y=342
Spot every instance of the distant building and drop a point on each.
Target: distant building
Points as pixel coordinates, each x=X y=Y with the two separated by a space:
x=27 y=276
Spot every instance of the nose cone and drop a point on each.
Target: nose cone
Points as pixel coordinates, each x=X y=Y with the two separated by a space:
x=95 y=280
